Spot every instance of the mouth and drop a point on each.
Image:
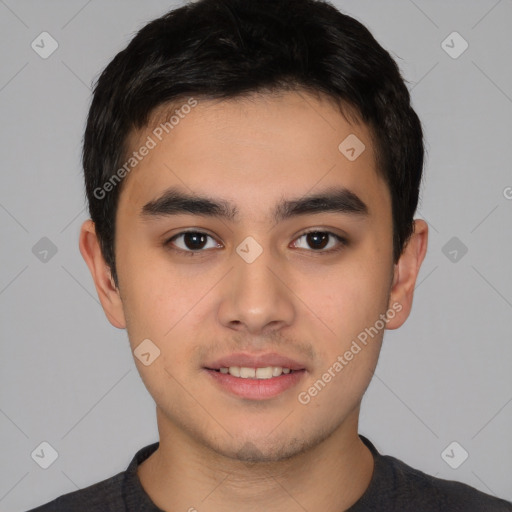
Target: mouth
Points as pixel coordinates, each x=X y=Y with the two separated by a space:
x=255 y=377
x=245 y=372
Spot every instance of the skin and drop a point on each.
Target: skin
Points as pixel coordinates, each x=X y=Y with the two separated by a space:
x=217 y=450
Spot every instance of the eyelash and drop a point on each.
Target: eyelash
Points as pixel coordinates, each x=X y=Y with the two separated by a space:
x=342 y=241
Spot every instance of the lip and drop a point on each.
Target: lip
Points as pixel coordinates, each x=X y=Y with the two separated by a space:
x=255 y=361
x=255 y=389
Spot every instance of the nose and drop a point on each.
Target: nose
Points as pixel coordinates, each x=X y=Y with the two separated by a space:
x=256 y=297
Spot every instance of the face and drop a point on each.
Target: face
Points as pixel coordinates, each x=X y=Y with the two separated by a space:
x=267 y=278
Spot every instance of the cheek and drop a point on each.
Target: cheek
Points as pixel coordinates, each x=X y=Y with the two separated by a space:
x=153 y=297
x=350 y=305
x=159 y=306
x=347 y=299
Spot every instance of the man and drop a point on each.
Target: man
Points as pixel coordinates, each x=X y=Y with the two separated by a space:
x=252 y=229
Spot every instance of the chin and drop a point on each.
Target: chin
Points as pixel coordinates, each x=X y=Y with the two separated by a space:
x=275 y=448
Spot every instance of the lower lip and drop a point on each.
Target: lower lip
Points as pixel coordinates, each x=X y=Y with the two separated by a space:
x=256 y=389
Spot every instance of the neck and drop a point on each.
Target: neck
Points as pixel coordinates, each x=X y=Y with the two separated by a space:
x=185 y=475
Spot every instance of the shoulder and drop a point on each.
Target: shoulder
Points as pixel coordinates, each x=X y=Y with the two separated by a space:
x=430 y=493
x=104 y=496
x=396 y=486
x=113 y=494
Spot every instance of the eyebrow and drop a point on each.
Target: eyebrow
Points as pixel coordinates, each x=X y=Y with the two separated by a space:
x=334 y=199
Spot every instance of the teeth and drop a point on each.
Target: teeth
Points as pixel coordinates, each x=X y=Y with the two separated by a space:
x=255 y=373
x=245 y=373
x=234 y=370
x=264 y=373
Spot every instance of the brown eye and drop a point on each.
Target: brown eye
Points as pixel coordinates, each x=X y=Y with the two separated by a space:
x=319 y=240
x=190 y=242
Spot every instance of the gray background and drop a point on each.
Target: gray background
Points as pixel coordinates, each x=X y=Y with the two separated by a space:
x=68 y=377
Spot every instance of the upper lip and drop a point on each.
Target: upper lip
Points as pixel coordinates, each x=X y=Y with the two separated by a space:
x=255 y=361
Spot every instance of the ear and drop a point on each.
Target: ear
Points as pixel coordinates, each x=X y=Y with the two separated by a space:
x=108 y=293
x=405 y=274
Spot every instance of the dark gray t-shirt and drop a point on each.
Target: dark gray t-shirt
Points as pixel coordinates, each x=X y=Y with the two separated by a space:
x=394 y=486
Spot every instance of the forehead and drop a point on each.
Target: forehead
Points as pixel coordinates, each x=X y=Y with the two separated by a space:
x=253 y=149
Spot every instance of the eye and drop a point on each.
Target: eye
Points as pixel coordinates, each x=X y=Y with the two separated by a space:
x=191 y=242
x=319 y=240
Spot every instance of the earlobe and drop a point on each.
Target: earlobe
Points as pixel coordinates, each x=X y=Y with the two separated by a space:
x=405 y=274
x=108 y=293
